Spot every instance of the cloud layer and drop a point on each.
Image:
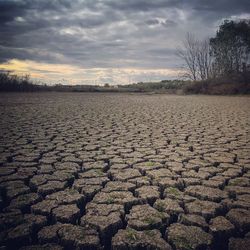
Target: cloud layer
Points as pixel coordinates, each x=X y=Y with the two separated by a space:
x=112 y=36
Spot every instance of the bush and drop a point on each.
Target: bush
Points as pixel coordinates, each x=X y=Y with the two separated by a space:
x=162 y=86
x=16 y=83
x=219 y=86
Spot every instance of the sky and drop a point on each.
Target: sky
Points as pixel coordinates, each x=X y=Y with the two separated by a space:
x=105 y=41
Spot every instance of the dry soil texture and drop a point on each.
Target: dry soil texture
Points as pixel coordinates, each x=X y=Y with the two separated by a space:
x=119 y=171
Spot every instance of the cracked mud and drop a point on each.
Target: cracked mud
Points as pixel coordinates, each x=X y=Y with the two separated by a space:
x=124 y=171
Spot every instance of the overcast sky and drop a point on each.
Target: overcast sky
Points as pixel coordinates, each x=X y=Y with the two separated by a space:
x=98 y=41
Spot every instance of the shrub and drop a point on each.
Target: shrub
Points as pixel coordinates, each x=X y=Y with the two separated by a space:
x=10 y=82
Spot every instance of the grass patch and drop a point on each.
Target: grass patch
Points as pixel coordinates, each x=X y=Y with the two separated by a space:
x=150 y=164
x=174 y=191
x=161 y=215
x=131 y=234
x=182 y=243
x=150 y=233
x=235 y=182
x=150 y=220
x=99 y=171
x=160 y=206
x=110 y=200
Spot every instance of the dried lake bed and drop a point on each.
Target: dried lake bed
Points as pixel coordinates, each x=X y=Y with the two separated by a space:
x=124 y=171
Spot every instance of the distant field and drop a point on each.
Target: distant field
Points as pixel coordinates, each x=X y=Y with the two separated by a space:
x=86 y=171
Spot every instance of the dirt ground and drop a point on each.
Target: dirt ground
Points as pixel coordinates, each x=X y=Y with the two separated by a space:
x=124 y=171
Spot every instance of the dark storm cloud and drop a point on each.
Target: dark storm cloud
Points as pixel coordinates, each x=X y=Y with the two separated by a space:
x=9 y=10
x=205 y=5
x=107 y=33
x=7 y=53
x=222 y=6
x=152 y=22
x=142 y=5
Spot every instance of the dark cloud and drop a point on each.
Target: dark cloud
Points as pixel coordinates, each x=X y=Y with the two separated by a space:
x=152 y=22
x=9 y=10
x=205 y=5
x=107 y=33
x=169 y=23
x=142 y=5
x=231 y=6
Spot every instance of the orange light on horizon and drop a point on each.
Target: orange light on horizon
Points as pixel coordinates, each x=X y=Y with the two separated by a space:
x=75 y=74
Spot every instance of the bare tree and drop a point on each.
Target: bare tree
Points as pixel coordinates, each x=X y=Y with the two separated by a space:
x=204 y=59
x=197 y=58
x=188 y=53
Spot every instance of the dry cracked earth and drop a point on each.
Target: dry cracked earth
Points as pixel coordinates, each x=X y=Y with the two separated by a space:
x=120 y=171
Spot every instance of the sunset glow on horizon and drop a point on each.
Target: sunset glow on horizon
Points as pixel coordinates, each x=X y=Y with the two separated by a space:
x=69 y=74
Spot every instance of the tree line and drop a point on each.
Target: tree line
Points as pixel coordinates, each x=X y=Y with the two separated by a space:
x=12 y=82
x=225 y=56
